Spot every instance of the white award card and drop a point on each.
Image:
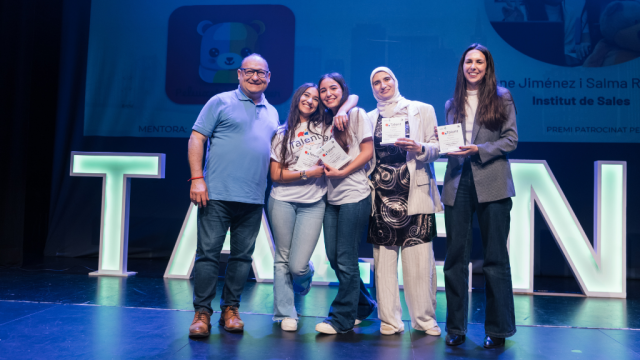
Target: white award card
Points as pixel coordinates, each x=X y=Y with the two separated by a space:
x=307 y=159
x=393 y=129
x=450 y=138
x=332 y=154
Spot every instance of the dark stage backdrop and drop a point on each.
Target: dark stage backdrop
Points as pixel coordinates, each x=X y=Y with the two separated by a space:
x=29 y=65
x=158 y=206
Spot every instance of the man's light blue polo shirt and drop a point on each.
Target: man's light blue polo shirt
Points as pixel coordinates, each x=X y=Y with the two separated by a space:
x=239 y=146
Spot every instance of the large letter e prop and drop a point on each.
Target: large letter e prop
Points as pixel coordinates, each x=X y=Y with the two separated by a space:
x=116 y=170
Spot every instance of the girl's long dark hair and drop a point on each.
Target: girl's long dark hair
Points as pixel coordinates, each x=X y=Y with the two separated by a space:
x=343 y=138
x=293 y=120
x=492 y=110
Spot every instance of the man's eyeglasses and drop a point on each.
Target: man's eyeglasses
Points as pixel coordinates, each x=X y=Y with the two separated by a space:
x=250 y=72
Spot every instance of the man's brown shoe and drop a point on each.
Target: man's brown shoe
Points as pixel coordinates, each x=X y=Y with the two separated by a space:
x=201 y=324
x=230 y=319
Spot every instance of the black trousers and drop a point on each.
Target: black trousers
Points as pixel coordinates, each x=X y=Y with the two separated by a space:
x=494 y=218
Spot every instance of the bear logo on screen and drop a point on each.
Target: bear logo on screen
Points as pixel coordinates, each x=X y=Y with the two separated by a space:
x=224 y=46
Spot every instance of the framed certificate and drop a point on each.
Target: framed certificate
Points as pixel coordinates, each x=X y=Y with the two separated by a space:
x=450 y=138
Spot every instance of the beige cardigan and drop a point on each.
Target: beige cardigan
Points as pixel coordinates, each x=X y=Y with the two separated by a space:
x=424 y=197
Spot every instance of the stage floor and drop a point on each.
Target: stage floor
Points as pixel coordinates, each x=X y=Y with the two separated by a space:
x=67 y=314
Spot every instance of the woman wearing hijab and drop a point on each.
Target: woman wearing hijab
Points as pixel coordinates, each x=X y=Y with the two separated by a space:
x=405 y=201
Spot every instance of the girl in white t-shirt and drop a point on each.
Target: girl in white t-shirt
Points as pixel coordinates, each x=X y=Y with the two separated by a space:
x=347 y=212
x=297 y=201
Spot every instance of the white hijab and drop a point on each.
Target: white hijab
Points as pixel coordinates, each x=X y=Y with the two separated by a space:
x=397 y=104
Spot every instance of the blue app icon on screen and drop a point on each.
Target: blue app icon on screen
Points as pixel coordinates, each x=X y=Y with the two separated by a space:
x=206 y=45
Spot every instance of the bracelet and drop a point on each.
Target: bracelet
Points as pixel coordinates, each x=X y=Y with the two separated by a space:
x=197 y=177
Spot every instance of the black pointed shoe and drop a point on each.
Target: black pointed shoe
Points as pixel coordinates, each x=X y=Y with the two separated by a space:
x=454 y=340
x=492 y=342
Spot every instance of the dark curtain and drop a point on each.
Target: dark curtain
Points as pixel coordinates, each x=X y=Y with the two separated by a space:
x=29 y=66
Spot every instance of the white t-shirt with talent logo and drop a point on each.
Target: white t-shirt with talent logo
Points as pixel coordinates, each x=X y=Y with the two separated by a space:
x=302 y=191
x=354 y=187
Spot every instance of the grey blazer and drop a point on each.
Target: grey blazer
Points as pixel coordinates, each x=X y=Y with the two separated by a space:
x=490 y=167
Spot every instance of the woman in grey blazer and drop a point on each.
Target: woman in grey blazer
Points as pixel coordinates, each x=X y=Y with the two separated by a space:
x=405 y=201
x=478 y=179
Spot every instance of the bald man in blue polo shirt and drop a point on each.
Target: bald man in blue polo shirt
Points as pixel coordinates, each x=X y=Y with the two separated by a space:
x=237 y=127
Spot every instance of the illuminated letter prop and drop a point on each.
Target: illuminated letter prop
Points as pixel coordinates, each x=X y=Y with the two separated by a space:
x=599 y=269
x=182 y=259
x=116 y=170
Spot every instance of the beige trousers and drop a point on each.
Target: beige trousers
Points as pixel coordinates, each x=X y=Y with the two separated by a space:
x=420 y=285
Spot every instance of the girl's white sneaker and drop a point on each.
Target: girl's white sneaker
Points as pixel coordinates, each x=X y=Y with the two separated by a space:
x=289 y=324
x=325 y=328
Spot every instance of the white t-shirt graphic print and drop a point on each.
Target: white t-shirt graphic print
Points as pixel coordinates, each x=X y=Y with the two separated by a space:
x=354 y=187
x=302 y=191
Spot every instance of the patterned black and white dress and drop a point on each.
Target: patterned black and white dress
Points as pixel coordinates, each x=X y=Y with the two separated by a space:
x=390 y=224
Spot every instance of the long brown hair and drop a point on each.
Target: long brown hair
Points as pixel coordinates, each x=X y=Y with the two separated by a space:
x=293 y=120
x=492 y=110
x=343 y=138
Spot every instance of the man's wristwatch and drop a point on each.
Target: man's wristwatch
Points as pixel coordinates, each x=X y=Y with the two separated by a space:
x=422 y=149
x=303 y=175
